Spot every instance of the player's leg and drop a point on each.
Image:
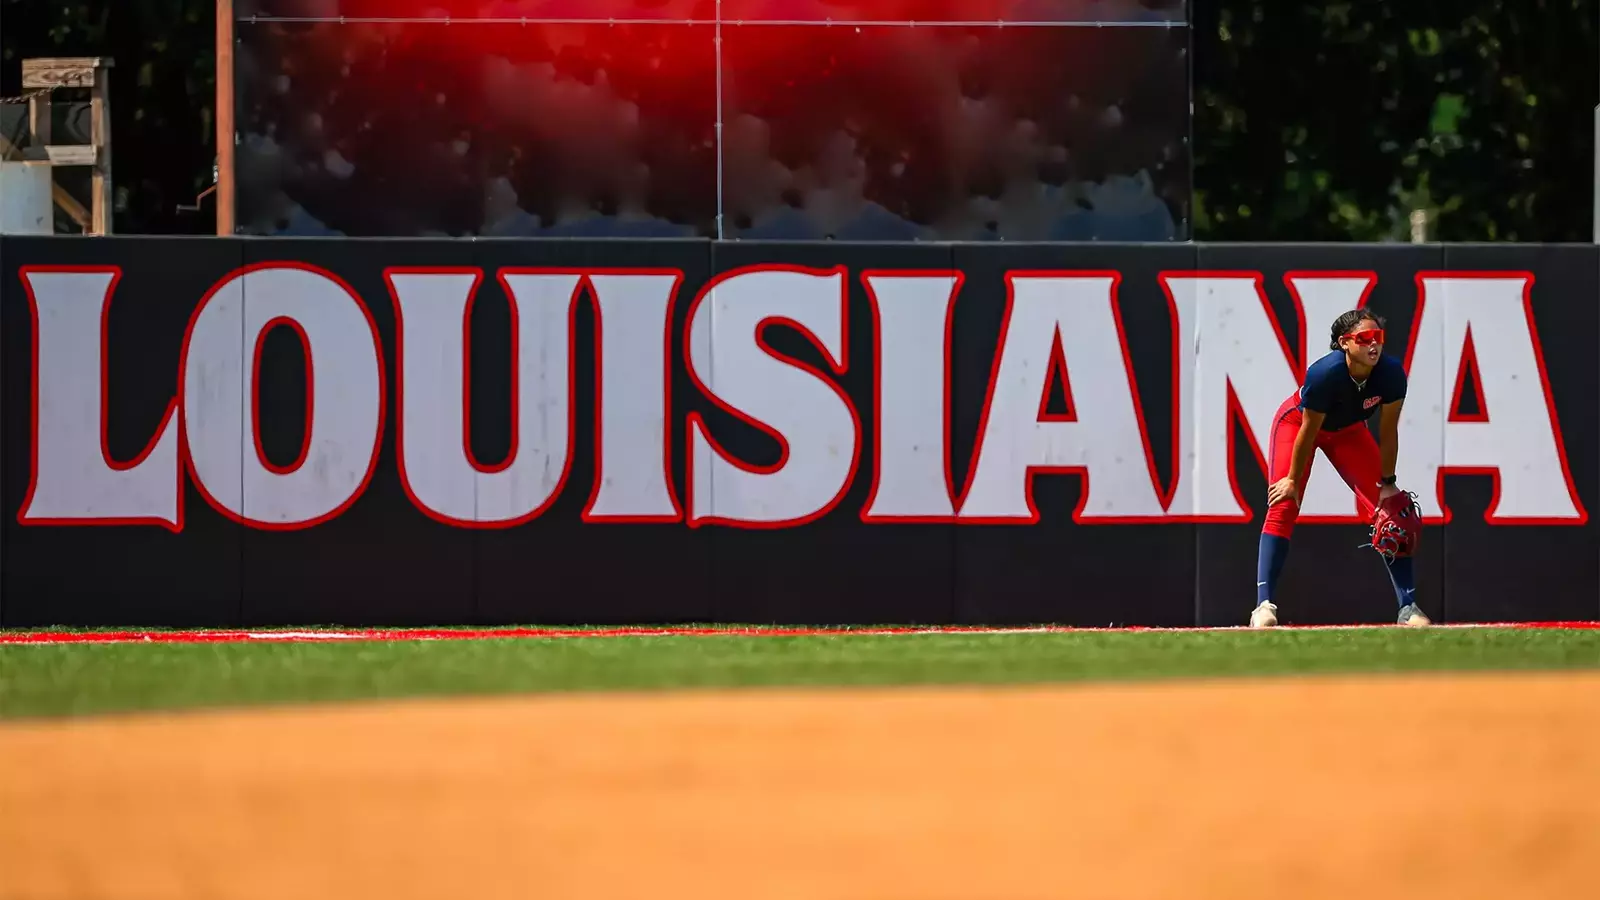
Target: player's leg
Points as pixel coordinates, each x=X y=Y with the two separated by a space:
x=1273 y=550
x=1354 y=453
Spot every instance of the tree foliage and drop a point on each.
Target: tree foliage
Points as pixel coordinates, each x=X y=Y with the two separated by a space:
x=1314 y=121
x=1331 y=121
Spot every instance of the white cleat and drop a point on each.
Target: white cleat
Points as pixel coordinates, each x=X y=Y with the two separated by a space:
x=1412 y=615
x=1265 y=615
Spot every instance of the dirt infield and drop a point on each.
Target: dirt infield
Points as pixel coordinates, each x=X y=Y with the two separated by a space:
x=1430 y=786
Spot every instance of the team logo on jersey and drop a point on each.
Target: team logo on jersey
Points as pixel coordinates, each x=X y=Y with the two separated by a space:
x=1370 y=402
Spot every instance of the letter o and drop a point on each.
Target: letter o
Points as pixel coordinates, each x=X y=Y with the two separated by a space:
x=217 y=379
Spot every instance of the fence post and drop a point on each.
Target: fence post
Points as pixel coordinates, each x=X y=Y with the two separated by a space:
x=1419 y=226
x=226 y=216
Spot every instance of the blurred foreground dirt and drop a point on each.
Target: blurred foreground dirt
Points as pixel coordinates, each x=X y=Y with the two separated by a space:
x=1419 y=787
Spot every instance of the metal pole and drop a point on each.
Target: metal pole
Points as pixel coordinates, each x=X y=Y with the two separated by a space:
x=225 y=126
x=717 y=43
x=1596 y=153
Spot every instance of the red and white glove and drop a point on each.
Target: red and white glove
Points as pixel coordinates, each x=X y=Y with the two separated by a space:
x=1397 y=526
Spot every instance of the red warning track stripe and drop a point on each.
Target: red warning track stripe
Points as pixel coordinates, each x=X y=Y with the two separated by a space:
x=165 y=636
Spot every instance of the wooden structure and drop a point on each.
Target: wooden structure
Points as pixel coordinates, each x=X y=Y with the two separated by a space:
x=41 y=78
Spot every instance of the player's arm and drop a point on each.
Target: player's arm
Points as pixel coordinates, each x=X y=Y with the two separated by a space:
x=1389 y=444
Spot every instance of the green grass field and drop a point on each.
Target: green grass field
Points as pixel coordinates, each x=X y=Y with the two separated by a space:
x=78 y=679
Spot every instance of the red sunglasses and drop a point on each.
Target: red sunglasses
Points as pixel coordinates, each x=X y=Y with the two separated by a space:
x=1368 y=336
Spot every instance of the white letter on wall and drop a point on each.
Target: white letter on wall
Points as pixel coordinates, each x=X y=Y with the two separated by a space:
x=1518 y=438
x=73 y=480
x=436 y=466
x=1234 y=357
x=914 y=313
x=219 y=396
x=1106 y=444
x=633 y=481
x=809 y=416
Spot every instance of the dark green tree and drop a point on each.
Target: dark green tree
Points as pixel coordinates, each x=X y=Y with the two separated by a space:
x=1331 y=121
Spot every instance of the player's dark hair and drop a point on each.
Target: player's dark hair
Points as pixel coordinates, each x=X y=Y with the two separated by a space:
x=1347 y=321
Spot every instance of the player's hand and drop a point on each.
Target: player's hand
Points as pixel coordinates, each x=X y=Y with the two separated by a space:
x=1281 y=490
x=1386 y=492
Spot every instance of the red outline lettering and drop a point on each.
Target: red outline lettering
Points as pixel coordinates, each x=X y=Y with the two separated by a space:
x=1354 y=518
x=588 y=515
x=1234 y=409
x=696 y=423
x=983 y=422
x=515 y=446
x=877 y=391
x=466 y=379
x=1469 y=362
x=377 y=349
x=255 y=395
x=23 y=518
x=1544 y=384
x=1057 y=372
x=572 y=382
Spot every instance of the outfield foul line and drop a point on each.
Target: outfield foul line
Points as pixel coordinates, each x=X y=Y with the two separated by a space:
x=467 y=634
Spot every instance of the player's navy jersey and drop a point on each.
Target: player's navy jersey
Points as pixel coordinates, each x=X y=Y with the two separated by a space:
x=1330 y=390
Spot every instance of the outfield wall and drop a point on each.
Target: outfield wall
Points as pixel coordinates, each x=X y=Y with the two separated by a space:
x=836 y=433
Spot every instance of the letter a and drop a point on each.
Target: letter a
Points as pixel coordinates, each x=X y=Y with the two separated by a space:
x=1517 y=439
x=1106 y=444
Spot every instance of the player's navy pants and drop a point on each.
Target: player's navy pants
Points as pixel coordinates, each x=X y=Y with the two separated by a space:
x=1352 y=450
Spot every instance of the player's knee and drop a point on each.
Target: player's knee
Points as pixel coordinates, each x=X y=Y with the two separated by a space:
x=1280 y=520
